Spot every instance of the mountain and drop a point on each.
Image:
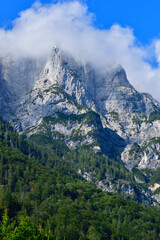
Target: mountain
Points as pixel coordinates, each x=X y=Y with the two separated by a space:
x=79 y=105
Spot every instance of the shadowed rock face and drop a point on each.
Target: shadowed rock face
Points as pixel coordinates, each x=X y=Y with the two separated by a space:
x=6 y=95
x=17 y=77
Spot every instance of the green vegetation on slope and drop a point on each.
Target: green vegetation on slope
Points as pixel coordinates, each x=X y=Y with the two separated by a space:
x=154 y=116
x=140 y=118
x=47 y=199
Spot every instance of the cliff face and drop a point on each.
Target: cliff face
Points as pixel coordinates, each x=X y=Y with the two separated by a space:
x=82 y=105
x=17 y=77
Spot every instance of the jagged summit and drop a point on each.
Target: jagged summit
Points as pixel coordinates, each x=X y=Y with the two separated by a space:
x=105 y=90
x=109 y=90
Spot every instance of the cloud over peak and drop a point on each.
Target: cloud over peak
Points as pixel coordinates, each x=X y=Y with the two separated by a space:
x=70 y=26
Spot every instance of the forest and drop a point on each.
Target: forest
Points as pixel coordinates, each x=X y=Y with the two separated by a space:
x=42 y=196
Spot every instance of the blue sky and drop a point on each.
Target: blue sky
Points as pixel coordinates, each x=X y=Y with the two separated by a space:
x=143 y=16
x=127 y=32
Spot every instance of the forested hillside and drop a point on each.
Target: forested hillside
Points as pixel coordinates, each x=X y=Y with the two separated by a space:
x=43 y=197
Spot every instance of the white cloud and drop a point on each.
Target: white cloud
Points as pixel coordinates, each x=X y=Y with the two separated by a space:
x=70 y=26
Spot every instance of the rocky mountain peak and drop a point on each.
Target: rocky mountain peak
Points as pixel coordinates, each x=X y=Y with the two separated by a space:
x=81 y=104
x=64 y=85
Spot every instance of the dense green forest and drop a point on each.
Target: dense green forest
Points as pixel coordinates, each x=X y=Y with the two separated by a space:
x=43 y=197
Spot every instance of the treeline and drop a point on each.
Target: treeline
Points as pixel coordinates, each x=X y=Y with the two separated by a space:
x=43 y=197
